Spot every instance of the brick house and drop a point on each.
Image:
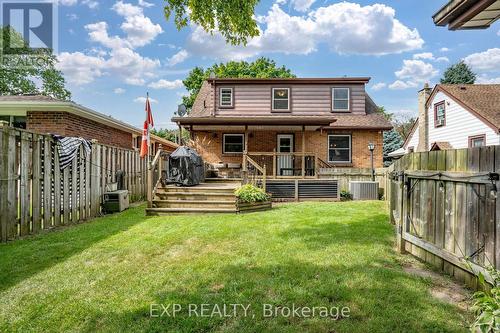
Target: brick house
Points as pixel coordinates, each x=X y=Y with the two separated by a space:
x=291 y=126
x=43 y=114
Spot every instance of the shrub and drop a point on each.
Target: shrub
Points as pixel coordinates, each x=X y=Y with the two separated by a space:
x=345 y=195
x=487 y=304
x=250 y=193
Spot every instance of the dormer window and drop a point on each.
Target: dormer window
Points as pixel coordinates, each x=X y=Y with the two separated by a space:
x=340 y=99
x=226 y=97
x=439 y=114
x=281 y=99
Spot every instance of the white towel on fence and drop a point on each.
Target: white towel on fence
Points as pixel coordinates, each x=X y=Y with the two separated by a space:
x=69 y=147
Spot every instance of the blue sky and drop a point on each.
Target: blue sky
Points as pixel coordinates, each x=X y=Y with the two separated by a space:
x=113 y=52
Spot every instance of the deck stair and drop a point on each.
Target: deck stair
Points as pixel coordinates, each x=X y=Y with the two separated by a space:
x=208 y=197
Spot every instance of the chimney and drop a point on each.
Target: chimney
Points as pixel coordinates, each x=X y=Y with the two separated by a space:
x=423 y=119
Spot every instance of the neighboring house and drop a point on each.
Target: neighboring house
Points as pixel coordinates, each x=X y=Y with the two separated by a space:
x=468 y=14
x=456 y=116
x=42 y=114
x=329 y=121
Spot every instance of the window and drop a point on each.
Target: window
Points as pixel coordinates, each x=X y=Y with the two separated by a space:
x=281 y=99
x=339 y=148
x=477 y=141
x=439 y=114
x=233 y=143
x=340 y=99
x=226 y=97
x=15 y=121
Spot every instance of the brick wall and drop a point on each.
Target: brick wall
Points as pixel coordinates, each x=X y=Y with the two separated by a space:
x=209 y=145
x=63 y=123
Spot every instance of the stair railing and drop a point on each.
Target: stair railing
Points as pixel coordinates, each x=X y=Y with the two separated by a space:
x=253 y=172
x=157 y=173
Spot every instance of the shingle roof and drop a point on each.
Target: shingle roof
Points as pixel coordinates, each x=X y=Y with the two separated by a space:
x=441 y=145
x=481 y=99
x=369 y=121
x=27 y=98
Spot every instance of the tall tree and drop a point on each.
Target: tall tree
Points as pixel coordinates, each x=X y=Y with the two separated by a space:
x=392 y=142
x=22 y=72
x=459 y=73
x=403 y=125
x=234 y=19
x=260 y=68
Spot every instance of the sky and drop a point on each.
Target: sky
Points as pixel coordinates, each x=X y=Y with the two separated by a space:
x=113 y=52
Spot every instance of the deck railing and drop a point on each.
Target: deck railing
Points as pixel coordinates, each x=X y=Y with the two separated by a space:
x=253 y=173
x=286 y=165
x=157 y=173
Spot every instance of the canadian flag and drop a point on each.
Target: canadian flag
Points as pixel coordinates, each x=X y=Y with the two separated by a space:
x=148 y=124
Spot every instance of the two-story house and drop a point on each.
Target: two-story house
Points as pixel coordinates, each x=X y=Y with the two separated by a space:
x=456 y=116
x=290 y=126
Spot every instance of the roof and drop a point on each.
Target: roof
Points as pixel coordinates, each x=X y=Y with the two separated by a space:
x=468 y=14
x=303 y=80
x=40 y=103
x=257 y=120
x=483 y=100
x=368 y=121
x=441 y=145
x=397 y=153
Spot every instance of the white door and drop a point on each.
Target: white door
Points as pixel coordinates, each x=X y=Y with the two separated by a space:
x=285 y=163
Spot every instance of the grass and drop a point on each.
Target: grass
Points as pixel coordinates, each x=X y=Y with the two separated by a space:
x=104 y=275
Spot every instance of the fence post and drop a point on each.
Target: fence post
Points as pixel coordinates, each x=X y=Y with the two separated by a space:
x=149 y=188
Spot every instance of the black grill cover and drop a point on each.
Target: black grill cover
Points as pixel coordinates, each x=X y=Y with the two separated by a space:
x=186 y=167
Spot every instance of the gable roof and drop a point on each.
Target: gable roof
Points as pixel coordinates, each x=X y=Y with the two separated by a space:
x=482 y=100
x=441 y=145
x=40 y=103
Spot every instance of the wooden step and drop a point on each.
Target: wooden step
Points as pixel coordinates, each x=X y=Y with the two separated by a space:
x=199 y=196
x=223 y=180
x=194 y=204
x=194 y=189
x=171 y=211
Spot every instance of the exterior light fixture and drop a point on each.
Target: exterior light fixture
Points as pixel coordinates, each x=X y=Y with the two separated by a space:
x=371 y=148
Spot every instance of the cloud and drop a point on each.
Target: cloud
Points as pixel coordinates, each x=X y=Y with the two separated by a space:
x=378 y=86
x=143 y=3
x=143 y=100
x=119 y=91
x=483 y=79
x=417 y=70
x=400 y=85
x=98 y=32
x=80 y=68
x=178 y=58
x=347 y=28
x=140 y=29
x=488 y=60
x=444 y=49
x=91 y=4
x=164 y=84
x=430 y=56
x=67 y=2
x=302 y=5
x=72 y=17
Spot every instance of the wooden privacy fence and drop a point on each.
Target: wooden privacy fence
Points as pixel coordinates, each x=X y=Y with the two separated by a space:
x=345 y=175
x=445 y=206
x=35 y=194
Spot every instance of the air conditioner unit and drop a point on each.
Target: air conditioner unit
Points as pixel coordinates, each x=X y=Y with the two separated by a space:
x=116 y=201
x=364 y=190
x=440 y=122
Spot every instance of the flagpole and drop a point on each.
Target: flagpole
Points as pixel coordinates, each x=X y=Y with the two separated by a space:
x=149 y=133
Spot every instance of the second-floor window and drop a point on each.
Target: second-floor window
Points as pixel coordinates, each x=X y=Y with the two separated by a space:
x=281 y=99
x=439 y=114
x=226 y=97
x=340 y=99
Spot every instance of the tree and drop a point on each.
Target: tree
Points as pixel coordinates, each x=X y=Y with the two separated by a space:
x=260 y=68
x=403 y=125
x=459 y=73
x=170 y=134
x=392 y=142
x=234 y=19
x=386 y=114
x=18 y=75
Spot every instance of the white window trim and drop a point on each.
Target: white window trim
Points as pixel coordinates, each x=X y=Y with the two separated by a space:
x=288 y=99
x=224 y=143
x=350 y=149
x=220 y=97
x=348 y=100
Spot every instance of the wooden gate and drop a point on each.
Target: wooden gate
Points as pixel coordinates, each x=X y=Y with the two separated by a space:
x=445 y=206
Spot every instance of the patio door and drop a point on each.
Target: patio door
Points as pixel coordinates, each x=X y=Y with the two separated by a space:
x=285 y=163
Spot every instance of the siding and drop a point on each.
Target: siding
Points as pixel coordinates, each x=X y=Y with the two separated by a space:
x=413 y=142
x=460 y=124
x=255 y=99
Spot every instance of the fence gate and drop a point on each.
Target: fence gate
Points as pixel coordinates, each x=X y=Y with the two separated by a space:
x=445 y=206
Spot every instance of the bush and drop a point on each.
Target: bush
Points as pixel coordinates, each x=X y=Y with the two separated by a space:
x=250 y=193
x=487 y=304
x=345 y=195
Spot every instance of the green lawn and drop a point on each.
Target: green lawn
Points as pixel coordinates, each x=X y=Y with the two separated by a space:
x=104 y=275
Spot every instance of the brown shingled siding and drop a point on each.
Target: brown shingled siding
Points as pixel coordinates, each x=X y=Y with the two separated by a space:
x=63 y=123
x=209 y=145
